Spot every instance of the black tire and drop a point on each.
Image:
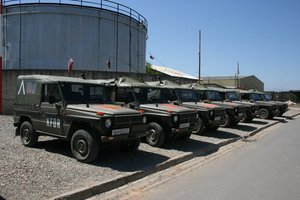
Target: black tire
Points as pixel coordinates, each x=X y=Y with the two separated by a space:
x=84 y=146
x=263 y=113
x=130 y=146
x=29 y=137
x=185 y=137
x=156 y=135
x=200 y=128
x=226 y=121
x=245 y=118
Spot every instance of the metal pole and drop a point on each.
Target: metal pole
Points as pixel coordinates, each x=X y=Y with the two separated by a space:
x=1 y=11
x=199 y=76
x=1 y=85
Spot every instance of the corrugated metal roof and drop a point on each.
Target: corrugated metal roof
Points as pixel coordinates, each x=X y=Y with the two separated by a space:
x=172 y=72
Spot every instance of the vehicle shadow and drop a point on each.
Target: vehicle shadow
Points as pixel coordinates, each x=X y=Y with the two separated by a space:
x=244 y=127
x=115 y=159
x=189 y=145
x=109 y=156
x=257 y=122
x=220 y=134
x=58 y=146
x=280 y=120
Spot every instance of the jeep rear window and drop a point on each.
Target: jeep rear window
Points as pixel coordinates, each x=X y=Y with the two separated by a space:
x=83 y=93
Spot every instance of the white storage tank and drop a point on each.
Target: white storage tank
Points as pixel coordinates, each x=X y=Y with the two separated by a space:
x=40 y=35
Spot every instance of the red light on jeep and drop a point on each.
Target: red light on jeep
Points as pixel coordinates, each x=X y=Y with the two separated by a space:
x=169 y=111
x=141 y=111
x=100 y=113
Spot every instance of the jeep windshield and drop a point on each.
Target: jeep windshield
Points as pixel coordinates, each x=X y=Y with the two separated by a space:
x=187 y=95
x=267 y=97
x=255 y=97
x=84 y=93
x=213 y=95
x=232 y=96
x=150 y=95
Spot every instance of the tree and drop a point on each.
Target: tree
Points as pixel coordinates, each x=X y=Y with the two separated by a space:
x=150 y=71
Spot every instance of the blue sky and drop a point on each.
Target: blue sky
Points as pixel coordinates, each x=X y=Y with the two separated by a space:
x=262 y=35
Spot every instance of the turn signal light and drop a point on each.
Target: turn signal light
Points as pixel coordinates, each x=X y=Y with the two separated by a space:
x=100 y=113
x=141 y=111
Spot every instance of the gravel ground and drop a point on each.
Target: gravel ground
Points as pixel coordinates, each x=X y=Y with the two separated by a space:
x=49 y=169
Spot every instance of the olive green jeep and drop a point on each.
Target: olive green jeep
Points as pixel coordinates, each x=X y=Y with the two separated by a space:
x=76 y=110
x=164 y=120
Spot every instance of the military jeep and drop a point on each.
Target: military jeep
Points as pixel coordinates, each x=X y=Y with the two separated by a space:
x=210 y=115
x=164 y=120
x=76 y=110
x=234 y=112
x=231 y=95
x=283 y=107
x=267 y=110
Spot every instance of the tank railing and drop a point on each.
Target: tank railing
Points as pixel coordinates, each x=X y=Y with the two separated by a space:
x=103 y=4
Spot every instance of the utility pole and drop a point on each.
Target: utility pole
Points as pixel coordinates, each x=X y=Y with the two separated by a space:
x=1 y=53
x=199 y=76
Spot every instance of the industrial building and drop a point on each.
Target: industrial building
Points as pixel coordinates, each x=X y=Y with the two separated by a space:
x=242 y=82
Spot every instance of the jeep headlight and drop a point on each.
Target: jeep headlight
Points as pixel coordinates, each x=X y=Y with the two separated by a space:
x=175 y=118
x=211 y=113
x=107 y=123
x=236 y=110
x=144 y=119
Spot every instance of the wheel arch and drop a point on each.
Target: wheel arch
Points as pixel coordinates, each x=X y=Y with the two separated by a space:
x=77 y=125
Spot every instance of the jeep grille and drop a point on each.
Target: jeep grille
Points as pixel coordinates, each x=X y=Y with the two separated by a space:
x=188 y=118
x=127 y=121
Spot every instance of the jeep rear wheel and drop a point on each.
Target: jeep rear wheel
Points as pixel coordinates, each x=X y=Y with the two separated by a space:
x=29 y=137
x=156 y=135
x=264 y=113
x=84 y=146
x=130 y=146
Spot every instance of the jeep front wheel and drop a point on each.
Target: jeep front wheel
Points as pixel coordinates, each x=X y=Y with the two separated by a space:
x=29 y=137
x=200 y=128
x=263 y=113
x=226 y=121
x=156 y=135
x=84 y=146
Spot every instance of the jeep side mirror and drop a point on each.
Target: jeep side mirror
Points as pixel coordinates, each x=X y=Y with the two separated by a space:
x=51 y=99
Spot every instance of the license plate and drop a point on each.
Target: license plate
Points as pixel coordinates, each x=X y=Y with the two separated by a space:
x=241 y=114
x=120 y=131
x=217 y=118
x=184 y=125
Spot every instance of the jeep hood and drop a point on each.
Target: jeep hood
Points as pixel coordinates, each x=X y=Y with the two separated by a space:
x=199 y=105
x=226 y=104
x=164 y=108
x=104 y=108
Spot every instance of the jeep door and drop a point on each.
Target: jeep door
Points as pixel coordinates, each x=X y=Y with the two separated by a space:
x=51 y=104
